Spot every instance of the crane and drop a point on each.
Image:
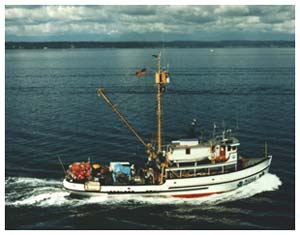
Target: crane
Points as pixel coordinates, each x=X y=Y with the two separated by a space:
x=148 y=146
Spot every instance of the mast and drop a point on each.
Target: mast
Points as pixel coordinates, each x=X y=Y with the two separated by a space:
x=159 y=116
x=159 y=143
x=161 y=80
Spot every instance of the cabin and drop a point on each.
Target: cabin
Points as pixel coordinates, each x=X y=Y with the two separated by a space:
x=190 y=158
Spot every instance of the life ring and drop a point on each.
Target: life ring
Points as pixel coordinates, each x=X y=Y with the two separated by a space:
x=221 y=158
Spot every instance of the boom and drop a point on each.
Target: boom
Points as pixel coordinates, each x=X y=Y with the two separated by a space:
x=100 y=92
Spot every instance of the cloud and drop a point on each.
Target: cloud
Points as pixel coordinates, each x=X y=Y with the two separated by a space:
x=232 y=11
x=174 y=22
x=137 y=10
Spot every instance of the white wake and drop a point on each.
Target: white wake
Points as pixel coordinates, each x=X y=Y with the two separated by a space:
x=49 y=193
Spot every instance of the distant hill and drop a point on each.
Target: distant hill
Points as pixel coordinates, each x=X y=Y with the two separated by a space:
x=139 y=44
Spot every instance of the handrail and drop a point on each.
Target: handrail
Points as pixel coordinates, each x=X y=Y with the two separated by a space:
x=207 y=166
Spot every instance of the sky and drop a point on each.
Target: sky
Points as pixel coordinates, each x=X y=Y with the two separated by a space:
x=149 y=23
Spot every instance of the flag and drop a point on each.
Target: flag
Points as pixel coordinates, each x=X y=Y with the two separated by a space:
x=141 y=72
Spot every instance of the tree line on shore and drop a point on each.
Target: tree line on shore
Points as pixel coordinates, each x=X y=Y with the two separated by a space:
x=146 y=44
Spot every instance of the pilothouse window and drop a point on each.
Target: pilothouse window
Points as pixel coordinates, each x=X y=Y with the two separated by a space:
x=200 y=172
x=186 y=164
x=229 y=168
x=187 y=151
x=215 y=170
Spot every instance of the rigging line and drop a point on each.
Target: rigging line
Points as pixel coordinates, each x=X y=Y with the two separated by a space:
x=62 y=165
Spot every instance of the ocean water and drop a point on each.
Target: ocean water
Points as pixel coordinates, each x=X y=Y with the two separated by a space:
x=52 y=110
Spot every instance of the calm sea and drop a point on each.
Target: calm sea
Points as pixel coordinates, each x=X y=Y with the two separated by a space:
x=51 y=110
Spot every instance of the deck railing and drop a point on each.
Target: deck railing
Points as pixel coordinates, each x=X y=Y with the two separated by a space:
x=203 y=170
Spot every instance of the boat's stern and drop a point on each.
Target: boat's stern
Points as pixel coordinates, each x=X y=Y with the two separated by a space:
x=73 y=187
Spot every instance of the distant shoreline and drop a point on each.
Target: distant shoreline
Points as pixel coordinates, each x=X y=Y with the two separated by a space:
x=149 y=44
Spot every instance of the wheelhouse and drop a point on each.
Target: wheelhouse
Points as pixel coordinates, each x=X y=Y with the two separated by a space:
x=191 y=158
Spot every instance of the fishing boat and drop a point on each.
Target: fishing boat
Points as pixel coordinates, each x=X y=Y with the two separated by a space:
x=184 y=168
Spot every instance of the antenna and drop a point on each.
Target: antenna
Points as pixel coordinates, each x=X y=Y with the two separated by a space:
x=214 y=130
x=223 y=132
x=229 y=131
x=223 y=124
x=236 y=124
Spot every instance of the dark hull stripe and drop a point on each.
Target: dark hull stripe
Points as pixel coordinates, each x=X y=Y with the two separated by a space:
x=197 y=195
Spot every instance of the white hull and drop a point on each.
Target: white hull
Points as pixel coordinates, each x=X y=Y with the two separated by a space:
x=183 y=187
